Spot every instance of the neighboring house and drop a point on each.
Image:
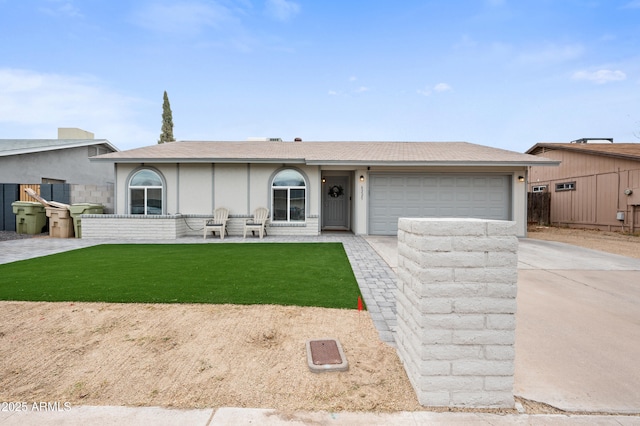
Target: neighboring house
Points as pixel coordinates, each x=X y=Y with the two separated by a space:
x=62 y=160
x=597 y=185
x=310 y=187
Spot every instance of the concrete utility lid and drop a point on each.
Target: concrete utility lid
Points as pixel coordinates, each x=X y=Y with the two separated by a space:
x=326 y=355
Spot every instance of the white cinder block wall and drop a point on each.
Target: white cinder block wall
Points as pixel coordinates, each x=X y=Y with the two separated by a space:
x=456 y=307
x=169 y=227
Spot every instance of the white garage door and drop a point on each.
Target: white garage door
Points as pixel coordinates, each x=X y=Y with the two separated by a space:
x=435 y=195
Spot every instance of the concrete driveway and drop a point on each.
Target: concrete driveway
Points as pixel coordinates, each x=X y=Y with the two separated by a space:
x=578 y=328
x=578 y=325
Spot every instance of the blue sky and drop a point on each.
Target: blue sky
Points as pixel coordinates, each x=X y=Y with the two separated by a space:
x=501 y=73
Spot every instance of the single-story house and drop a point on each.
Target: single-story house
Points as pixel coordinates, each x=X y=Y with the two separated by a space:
x=597 y=184
x=62 y=160
x=166 y=190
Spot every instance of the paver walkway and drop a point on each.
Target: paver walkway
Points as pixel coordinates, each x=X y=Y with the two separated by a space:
x=376 y=280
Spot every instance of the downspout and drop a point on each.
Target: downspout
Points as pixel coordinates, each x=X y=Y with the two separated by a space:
x=177 y=188
x=249 y=188
x=115 y=188
x=213 y=186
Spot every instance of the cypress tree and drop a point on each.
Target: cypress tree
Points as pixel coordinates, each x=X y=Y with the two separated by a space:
x=167 y=121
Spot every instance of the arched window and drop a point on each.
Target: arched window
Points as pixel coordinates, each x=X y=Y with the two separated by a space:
x=145 y=193
x=289 y=197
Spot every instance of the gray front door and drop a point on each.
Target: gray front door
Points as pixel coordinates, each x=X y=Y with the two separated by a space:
x=335 y=202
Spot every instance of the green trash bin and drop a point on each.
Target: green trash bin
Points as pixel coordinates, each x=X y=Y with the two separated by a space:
x=30 y=217
x=83 y=208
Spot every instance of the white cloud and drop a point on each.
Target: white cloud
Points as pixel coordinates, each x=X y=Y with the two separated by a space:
x=362 y=89
x=442 y=87
x=438 y=88
x=282 y=10
x=35 y=103
x=600 y=76
x=61 y=8
x=187 y=18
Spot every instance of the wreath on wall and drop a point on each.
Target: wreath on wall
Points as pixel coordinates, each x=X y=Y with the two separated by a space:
x=336 y=191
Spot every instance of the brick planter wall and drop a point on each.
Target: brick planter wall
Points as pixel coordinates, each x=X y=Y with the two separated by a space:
x=167 y=227
x=135 y=227
x=456 y=307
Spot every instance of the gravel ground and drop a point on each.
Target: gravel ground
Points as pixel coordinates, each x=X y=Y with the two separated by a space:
x=11 y=235
x=620 y=243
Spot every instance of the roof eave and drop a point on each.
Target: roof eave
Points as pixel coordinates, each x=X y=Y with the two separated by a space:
x=435 y=163
x=59 y=147
x=329 y=162
x=200 y=160
x=543 y=148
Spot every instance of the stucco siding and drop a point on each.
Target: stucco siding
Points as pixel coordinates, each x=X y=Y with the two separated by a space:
x=195 y=189
x=171 y=177
x=259 y=186
x=230 y=186
x=69 y=165
x=122 y=172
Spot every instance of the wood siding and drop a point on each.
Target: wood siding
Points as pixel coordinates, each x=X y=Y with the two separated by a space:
x=600 y=182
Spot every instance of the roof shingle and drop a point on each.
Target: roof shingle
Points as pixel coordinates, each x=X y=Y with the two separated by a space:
x=370 y=153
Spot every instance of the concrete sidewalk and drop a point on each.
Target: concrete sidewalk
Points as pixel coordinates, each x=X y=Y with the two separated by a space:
x=143 y=416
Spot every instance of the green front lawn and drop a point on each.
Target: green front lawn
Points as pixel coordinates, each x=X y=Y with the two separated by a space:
x=303 y=274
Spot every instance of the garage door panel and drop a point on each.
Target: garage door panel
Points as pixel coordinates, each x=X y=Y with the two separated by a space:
x=413 y=194
x=431 y=195
x=496 y=197
x=447 y=183
x=413 y=211
x=429 y=182
x=465 y=196
x=445 y=212
x=396 y=211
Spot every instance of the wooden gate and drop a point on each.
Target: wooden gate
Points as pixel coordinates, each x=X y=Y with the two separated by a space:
x=539 y=208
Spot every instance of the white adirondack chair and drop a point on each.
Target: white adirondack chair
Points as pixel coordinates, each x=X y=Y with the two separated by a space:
x=218 y=223
x=257 y=223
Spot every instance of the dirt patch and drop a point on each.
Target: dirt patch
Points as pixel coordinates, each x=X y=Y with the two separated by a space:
x=611 y=242
x=190 y=356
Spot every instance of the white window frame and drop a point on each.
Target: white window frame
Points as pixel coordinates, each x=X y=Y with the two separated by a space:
x=565 y=186
x=539 y=188
x=146 y=189
x=288 y=189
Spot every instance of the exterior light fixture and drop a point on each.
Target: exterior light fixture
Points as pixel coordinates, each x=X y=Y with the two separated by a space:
x=324 y=180
x=520 y=178
x=361 y=178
